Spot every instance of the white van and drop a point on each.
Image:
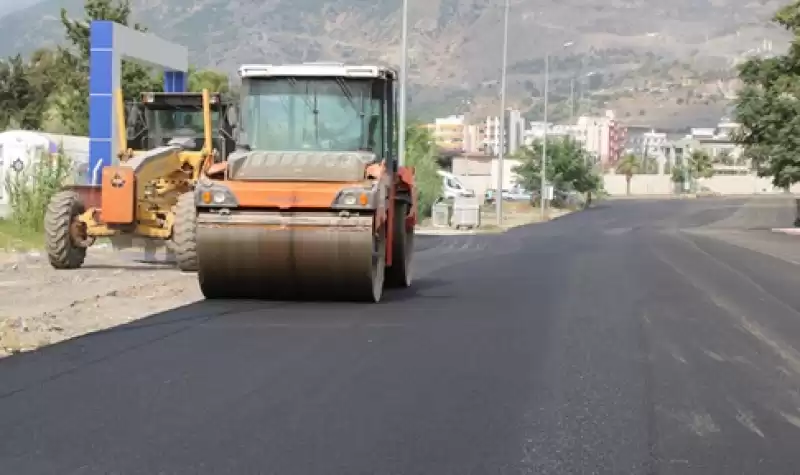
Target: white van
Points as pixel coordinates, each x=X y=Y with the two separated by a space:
x=453 y=187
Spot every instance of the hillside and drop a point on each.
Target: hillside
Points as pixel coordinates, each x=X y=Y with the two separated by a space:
x=455 y=44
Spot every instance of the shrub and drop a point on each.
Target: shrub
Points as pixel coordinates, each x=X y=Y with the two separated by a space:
x=30 y=189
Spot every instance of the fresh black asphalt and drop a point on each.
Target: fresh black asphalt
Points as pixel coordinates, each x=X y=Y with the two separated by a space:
x=639 y=337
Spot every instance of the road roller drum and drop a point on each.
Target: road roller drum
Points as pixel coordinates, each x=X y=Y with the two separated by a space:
x=269 y=256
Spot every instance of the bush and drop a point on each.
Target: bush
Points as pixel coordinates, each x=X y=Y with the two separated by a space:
x=30 y=189
x=421 y=154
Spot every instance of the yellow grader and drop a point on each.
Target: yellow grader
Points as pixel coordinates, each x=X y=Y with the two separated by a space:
x=168 y=141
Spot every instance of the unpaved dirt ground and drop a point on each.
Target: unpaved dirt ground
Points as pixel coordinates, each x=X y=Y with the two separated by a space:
x=40 y=305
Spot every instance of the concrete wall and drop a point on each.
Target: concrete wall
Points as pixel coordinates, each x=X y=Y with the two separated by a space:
x=486 y=167
x=662 y=185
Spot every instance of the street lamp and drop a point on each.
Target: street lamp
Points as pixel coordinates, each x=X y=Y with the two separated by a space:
x=543 y=188
x=499 y=196
x=401 y=132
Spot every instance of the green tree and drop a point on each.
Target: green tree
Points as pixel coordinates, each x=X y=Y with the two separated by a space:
x=421 y=154
x=24 y=89
x=74 y=94
x=214 y=81
x=568 y=167
x=768 y=107
x=700 y=165
x=628 y=166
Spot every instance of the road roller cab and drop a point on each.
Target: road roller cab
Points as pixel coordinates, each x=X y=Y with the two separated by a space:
x=312 y=203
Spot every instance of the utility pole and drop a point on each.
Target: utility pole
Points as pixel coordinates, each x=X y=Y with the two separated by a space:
x=499 y=197
x=401 y=132
x=571 y=100
x=543 y=190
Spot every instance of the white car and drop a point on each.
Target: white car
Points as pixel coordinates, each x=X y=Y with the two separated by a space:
x=452 y=187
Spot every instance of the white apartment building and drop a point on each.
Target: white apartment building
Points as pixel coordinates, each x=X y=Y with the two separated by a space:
x=536 y=132
x=596 y=134
x=513 y=136
x=472 y=139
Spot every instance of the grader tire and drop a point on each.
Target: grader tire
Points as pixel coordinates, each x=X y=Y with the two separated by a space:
x=184 y=233
x=62 y=212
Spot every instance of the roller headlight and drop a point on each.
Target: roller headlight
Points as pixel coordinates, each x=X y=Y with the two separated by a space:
x=363 y=198
x=215 y=196
x=349 y=199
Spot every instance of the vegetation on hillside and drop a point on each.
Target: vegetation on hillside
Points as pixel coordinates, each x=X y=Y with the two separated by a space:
x=768 y=107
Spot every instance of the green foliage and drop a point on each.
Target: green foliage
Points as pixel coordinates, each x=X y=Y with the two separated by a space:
x=29 y=190
x=629 y=166
x=421 y=154
x=25 y=88
x=207 y=79
x=678 y=174
x=701 y=165
x=569 y=166
x=50 y=91
x=768 y=107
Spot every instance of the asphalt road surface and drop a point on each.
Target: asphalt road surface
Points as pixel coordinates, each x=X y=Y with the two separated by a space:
x=656 y=337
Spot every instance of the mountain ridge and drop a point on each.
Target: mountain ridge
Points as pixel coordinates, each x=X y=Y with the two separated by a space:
x=454 y=44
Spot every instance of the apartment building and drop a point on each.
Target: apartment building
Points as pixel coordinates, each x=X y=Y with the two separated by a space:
x=450 y=133
x=513 y=136
x=604 y=137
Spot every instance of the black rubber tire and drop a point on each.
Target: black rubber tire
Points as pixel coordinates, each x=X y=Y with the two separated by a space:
x=379 y=269
x=184 y=233
x=62 y=251
x=400 y=272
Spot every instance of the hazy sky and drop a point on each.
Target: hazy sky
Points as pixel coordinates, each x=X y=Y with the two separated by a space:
x=7 y=6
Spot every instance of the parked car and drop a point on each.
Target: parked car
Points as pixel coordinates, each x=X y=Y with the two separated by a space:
x=515 y=193
x=452 y=187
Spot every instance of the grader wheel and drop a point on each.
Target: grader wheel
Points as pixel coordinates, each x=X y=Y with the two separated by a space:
x=65 y=234
x=184 y=233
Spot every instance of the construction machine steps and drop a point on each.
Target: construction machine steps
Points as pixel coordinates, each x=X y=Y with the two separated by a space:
x=312 y=204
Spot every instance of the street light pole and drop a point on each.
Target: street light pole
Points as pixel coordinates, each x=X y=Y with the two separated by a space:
x=542 y=195
x=499 y=195
x=571 y=101
x=401 y=132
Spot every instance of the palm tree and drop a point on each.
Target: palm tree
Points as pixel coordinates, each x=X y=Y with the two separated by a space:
x=700 y=164
x=628 y=166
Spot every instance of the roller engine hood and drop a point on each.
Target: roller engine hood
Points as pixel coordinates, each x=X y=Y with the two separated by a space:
x=298 y=165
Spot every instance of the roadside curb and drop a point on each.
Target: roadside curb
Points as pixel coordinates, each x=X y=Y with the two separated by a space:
x=445 y=232
x=787 y=231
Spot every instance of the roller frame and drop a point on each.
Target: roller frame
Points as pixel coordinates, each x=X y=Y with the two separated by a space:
x=275 y=204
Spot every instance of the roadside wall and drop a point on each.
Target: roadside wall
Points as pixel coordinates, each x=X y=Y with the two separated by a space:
x=663 y=185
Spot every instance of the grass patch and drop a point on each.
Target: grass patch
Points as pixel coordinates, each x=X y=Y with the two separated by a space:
x=17 y=238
